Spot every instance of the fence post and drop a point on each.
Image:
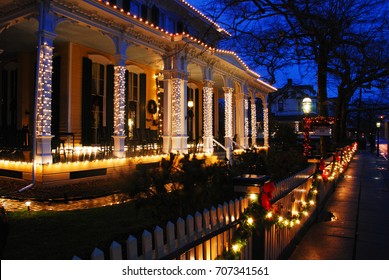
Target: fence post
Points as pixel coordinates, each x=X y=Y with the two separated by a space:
x=115 y=251
x=237 y=209
x=231 y=208
x=158 y=240
x=132 y=248
x=97 y=254
x=225 y=213
x=170 y=237
x=220 y=217
x=199 y=232
x=190 y=234
x=181 y=232
x=190 y=227
x=207 y=221
x=147 y=245
x=198 y=224
x=213 y=218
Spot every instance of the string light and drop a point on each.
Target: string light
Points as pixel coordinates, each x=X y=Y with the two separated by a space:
x=179 y=36
x=228 y=111
x=44 y=90
x=266 y=126
x=119 y=100
x=253 y=121
x=246 y=119
x=176 y=107
x=208 y=112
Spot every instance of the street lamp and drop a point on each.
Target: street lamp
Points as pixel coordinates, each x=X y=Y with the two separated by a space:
x=190 y=116
x=378 y=124
x=307 y=105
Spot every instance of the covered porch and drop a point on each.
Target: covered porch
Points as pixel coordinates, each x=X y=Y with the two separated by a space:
x=100 y=96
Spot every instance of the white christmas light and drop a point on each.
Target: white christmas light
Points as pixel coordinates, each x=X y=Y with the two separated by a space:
x=119 y=102
x=176 y=107
x=246 y=119
x=44 y=90
x=266 y=126
x=253 y=120
x=207 y=108
x=228 y=112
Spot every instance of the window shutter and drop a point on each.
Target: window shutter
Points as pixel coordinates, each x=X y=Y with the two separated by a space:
x=86 y=122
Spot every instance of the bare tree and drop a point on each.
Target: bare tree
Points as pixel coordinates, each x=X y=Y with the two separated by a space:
x=346 y=38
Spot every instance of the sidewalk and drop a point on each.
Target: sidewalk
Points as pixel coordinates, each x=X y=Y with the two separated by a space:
x=360 y=203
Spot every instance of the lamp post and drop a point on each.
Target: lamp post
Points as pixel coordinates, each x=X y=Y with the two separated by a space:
x=378 y=124
x=307 y=105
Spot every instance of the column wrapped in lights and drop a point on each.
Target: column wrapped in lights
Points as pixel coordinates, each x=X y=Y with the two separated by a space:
x=246 y=119
x=43 y=125
x=266 y=126
x=176 y=107
x=253 y=122
x=119 y=100
x=228 y=111
x=208 y=116
x=207 y=107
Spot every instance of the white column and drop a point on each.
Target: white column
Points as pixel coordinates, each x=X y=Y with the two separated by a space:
x=246 y=123
x=240 y=118
x=119 y=110
x=228 y=120
x=253 y=122
x=208 y=116
x=265 y=125
x=179 y=108
x=43 y=103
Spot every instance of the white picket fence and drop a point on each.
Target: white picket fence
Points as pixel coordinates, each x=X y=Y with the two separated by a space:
x=206 y=235
x=162 y=242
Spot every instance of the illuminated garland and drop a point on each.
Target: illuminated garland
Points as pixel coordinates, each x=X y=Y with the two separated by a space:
x=44 y=90
x=308 y=122
x=119 y=100
x=269 y=215
x=176 y=107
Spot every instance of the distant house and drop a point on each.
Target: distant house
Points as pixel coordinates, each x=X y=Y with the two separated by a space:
x=286 y=104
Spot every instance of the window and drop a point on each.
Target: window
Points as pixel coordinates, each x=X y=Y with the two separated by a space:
x=133 y=104
x=98 y=93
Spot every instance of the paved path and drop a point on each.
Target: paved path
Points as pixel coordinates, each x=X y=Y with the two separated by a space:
x=361 y=205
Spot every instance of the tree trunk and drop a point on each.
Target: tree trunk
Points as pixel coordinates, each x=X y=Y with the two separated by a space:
x=322 y=64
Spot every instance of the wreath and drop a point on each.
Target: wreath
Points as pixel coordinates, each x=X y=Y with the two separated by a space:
x=152 y=107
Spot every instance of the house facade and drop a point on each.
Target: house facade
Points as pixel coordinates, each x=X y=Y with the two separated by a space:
x=91 y=76
x=287 y=107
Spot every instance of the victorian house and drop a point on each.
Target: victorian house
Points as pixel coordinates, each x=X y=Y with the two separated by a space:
x=105 y=85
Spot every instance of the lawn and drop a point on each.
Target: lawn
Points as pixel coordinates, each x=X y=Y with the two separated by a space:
x=62 y=235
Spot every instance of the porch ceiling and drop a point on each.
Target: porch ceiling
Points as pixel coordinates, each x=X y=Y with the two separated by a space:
x=22 y=37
